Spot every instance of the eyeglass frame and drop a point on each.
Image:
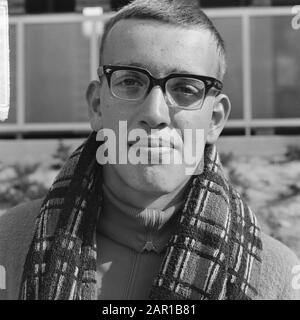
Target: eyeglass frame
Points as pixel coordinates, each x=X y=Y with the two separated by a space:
x=209 y=82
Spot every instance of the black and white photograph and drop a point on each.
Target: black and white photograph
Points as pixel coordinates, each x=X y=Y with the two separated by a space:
x=149 y=151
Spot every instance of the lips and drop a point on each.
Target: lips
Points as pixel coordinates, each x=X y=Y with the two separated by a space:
x=152 y=142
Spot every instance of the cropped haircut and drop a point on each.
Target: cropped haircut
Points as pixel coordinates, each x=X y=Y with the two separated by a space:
x=174 y=13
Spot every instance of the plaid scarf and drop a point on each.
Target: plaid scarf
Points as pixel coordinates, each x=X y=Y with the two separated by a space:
x=215 y=253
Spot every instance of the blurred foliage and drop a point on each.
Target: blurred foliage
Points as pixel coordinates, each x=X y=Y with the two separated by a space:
x=60 y=156
x=226 y=158
x=19 y=187
x=292 y=153
x=236 y=179
x=17 y=184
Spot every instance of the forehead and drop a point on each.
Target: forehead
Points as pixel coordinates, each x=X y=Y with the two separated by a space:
x=161 y=48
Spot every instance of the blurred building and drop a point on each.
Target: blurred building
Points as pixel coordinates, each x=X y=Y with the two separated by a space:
x=19 y=6
x=16 y=6
x=53 y=60
x=105 y=4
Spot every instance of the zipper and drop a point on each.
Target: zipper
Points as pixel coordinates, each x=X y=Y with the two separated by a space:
x=131 y=281
x=137 y=256
x=149 y=246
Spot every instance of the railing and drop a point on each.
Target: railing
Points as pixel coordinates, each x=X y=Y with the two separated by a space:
x=247 y=121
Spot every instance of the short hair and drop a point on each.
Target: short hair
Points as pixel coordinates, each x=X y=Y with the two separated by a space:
x=170 y=12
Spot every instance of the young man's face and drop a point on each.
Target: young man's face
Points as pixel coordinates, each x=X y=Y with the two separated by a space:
x=161 y=49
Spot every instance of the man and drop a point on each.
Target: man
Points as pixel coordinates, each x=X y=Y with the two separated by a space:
x=126 y=230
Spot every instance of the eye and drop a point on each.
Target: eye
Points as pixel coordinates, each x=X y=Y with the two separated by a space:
x=185 y=89
x=129 y=82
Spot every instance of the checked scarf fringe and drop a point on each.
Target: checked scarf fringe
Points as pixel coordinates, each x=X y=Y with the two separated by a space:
x=215 y=253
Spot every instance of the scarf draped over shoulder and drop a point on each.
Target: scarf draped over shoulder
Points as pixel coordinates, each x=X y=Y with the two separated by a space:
x=215 y=253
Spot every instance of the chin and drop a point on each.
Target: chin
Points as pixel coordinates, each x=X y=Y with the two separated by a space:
x=157 y=179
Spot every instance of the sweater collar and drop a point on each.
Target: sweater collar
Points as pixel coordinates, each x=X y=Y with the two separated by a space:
x=141 y=229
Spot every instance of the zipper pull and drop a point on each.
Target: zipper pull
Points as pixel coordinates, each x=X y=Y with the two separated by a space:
x=149 y=246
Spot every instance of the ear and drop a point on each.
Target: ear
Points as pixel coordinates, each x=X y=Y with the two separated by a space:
x=93 y=100
x=221 y=111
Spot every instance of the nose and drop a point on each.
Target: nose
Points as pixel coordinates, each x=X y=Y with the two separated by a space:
x=154 y=112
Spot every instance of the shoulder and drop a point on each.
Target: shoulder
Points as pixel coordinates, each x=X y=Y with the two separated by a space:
x=278 y=264
x=16 y=232
x=17 y=222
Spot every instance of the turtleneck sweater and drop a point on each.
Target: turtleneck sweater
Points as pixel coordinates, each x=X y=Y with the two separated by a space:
x=131 y=244
x=129 y=275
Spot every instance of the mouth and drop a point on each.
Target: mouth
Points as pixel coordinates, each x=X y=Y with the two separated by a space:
x=152 y=143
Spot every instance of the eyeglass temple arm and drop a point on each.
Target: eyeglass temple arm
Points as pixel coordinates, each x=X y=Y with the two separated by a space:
x=100 y=71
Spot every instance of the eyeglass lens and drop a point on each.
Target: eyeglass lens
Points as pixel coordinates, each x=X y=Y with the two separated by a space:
x=180 y=91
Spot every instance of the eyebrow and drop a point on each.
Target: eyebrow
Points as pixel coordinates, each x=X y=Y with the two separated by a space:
x=157 y=70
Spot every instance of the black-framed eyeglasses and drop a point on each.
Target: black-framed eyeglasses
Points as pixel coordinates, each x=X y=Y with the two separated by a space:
x=185 y=91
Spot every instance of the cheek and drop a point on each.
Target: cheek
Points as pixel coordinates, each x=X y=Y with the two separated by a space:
x=191 y=121
x=113 y=113
x=115 y=110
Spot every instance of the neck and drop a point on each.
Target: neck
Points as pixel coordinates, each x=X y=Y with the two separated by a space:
x=149 y=218
x=137 y=228
x=139 y=199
